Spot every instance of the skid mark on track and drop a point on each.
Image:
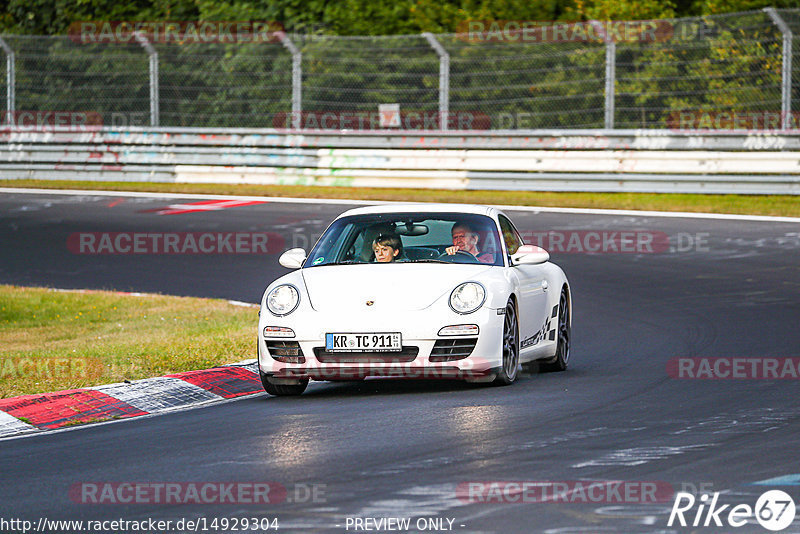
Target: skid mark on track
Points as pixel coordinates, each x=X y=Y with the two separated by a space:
x=501 y=450
x=638 y=455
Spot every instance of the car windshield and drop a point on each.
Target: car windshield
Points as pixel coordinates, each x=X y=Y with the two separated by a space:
x=409 y=237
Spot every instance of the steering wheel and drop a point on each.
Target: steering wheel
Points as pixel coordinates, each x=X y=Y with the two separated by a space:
x=461 y=256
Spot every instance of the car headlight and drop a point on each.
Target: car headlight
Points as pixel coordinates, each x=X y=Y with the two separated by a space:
x=283 y=299
x=467 y=297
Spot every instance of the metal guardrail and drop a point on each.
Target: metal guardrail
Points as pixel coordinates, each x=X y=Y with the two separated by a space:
x=553 y=160
x=242 y=138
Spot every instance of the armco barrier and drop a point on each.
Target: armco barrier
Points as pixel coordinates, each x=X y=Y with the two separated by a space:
x=591 y=160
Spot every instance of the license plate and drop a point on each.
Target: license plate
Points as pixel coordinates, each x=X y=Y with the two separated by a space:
x=366 y=342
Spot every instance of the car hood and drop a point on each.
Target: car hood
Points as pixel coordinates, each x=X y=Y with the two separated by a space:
x=396 y=286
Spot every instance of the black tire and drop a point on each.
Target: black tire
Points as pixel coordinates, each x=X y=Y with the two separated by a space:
x=280 y=390
x=508 y=371
x=563 y=335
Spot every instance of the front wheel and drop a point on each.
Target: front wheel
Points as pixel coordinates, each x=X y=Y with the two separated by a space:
x=507 y=373
x=280 y=390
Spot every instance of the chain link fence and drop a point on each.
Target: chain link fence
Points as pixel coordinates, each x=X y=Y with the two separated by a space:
x=703 y=73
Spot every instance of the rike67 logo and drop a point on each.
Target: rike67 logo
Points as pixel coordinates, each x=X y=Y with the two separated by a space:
x=774 y=510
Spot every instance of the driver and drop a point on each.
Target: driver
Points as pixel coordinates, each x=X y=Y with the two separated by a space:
x=466 y=239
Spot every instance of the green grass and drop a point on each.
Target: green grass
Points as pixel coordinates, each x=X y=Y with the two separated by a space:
x=89 y=421
x=53 y=340
x=779 y=205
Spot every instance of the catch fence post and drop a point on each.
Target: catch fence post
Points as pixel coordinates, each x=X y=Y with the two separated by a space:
x=11 y=71
x=154 y=95
x=444 y=79
x=786 y=68
x=297 y=79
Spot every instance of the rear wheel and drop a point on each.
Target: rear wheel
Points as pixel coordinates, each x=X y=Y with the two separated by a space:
x=282 y=389
x=508 y=369
x=564 y=336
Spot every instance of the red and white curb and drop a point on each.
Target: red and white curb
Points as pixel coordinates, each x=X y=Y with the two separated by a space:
x=49 y=411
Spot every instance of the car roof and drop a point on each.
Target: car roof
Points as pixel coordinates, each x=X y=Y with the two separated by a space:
x=421 y=207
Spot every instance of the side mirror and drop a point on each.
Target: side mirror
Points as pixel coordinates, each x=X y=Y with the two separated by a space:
x=529 y=255
x=293 y=258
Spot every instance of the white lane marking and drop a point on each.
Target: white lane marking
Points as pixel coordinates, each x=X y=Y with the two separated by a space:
x=153 y=395
x=673 y=214
x=129 y=294
x=10 y=425
x=197 y=196
x=251 y=364
x=244 y=304
x=290 y=200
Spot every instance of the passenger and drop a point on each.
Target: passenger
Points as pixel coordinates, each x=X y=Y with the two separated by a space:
x=466 y=239
x=387 y=248
x=366 y=254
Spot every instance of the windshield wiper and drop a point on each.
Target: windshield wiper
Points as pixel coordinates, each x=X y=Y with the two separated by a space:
x=428 y=261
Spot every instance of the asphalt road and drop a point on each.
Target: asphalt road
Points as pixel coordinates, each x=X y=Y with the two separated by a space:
x=406 y=449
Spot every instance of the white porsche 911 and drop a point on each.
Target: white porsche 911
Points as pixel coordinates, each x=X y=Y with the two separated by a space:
x=419 y=291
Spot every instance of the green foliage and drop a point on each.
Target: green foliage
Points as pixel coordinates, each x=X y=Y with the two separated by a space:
x=735 y=65
x=55 y=340
x=714 y=64
x=624 y=10
x=717 y=7
x=353 y=17
x=446 y=17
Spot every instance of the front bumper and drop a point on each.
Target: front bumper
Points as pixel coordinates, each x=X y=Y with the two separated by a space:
x=425 y=353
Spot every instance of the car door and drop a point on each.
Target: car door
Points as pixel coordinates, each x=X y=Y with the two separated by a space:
x=533 y=312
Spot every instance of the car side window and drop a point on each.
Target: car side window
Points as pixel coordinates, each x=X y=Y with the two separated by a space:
x=510 y=235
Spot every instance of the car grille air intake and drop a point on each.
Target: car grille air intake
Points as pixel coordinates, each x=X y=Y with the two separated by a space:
x=408 y=354
x=448 y=350
x=286 y=351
